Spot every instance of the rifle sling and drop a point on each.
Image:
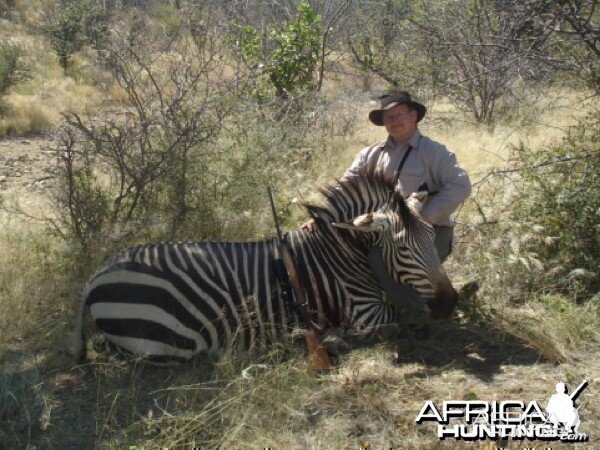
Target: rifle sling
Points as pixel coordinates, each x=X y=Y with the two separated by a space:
x=403 y=161
x=301 y=303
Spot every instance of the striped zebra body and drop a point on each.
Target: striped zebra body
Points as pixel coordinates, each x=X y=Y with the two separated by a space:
x=185 y=298
x=176 y=300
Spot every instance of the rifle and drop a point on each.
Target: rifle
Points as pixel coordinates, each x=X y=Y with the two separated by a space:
x=318 y=357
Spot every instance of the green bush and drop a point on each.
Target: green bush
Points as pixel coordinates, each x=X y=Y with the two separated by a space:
x=74 y=25
x=12 y=67
x=533 y=243
x=285 y=55
x=544 y=236
x=560 y=203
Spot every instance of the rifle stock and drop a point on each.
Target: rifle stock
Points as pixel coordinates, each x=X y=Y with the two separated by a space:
x=317 y=355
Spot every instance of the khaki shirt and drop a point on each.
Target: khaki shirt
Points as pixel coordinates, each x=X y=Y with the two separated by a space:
x=429 y=162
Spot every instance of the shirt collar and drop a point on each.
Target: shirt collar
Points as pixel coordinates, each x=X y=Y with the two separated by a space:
x=413 y=141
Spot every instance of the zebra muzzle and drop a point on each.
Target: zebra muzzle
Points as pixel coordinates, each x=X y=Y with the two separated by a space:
x=443 y=304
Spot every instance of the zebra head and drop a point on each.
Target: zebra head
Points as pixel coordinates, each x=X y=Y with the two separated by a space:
x=369 y=210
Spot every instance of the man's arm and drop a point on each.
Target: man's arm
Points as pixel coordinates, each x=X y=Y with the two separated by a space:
x=360 y=160
x=455 y=188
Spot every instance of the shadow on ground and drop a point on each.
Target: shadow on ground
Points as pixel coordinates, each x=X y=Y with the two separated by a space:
x=106 y=399
x=479 y=350
x=81 y=406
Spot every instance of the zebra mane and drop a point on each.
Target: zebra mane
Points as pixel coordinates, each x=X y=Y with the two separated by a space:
x=365 y=190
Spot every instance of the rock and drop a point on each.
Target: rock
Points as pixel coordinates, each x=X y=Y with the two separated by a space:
x=476 y=357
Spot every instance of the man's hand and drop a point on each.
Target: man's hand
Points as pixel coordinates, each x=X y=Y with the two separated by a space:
x=417 y=200
x=309 y=225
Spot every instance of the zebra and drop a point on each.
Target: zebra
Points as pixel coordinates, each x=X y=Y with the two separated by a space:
x=173 y=301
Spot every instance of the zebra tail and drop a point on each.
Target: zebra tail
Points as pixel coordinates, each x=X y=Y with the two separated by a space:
x=79 y=338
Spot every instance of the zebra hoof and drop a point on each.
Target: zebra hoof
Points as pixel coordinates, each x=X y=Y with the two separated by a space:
x=335 y=345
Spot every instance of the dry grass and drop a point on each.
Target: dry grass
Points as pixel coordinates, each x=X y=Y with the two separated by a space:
x=498 y=350
x=35 y=105
x=35 y=296
x=369 y=400
x=501 y=347
x=28 y=12
x=23 y=115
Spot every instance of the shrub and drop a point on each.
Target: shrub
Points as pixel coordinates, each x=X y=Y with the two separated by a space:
x=537 y=249
x=285 y=56
x=74 y=25
x=541 y=229
x=560 y=203
x=12 y=67
x=146 y=173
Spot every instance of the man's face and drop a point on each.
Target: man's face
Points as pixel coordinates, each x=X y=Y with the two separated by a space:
x=400 y=122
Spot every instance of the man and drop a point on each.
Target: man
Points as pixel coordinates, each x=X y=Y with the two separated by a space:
x=419 y=161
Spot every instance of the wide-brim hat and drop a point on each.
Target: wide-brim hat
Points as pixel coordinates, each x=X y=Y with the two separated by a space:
x=394 y=98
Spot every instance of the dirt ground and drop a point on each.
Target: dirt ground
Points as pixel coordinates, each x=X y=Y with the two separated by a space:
x=27 y=167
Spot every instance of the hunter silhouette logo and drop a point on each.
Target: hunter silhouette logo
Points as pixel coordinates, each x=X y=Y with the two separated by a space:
x=561 y=408
x=510 y=419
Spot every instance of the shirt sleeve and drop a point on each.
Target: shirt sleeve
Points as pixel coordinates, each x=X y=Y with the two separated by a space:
x=455 y=187
x=360 y=160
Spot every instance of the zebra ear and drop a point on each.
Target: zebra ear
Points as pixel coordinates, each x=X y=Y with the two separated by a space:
x=370 y=222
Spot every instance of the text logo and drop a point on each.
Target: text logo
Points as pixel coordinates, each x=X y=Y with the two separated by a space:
x=510 y=419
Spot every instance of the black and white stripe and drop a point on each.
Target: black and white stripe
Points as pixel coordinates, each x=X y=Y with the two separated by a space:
x=179 y=299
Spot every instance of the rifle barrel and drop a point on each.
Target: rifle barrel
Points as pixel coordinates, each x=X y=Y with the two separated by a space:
x=273 y=210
